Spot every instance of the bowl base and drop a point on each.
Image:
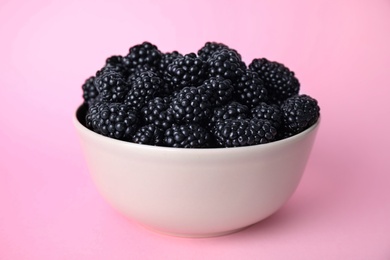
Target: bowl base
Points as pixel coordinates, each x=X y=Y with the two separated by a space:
x=203 y=235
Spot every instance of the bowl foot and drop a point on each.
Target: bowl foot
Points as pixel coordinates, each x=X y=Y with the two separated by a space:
x=196 y=235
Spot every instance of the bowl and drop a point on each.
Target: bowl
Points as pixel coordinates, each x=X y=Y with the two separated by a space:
x=195 y=192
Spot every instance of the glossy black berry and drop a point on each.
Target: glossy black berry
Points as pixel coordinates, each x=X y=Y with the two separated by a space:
x=114 y=120
x=141 y=69
x=143 y=88
x=166 y=59
x=280 y=82
x=191 y=105
x=250 y=89
x=299 y=113
x=115 y=63
x=187 y=136
x=142 y=54
x=232 y=110
x=156 y=112
x=112 y=86
x=211 y=47
x=227 y=64
x=90 y=92
x=148 y=134
x=271 y=113
x=244 y=132
x=221 y=90
x=185 y=71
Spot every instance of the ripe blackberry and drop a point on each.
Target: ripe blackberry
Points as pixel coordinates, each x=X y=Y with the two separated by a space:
x=244 y=132
x=299 y=113
x=271 y=113
x=115 y=63
x=148 y=134
x=210 y=48
x=232 y=110
x=155 y=112
x=90 y=92
x=250 y=89
x=114 y=120
x=187 y=136
x=227 y=64
x=184 y=71
x=191 y=105
x=143 y=68
x=166 y=59
x=143 y=88
x=280 y=82
x=221 y=89
x=111 y=85
x=142 y=54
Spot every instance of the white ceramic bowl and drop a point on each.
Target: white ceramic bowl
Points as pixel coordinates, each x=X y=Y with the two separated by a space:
x=195 y=192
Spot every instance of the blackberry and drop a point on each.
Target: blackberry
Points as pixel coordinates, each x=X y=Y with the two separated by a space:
x=187 y=136
x=90 y=92
x=114 y=120
x=271 y=113
x=184 y=71
x=211 y=47
x=166 y=59
x=143 y=88
x=115 y=63
x=221 y=89
x=191 y=105
x=244 y=132
x=250 y=89
x=112 y=87
x=141 y=69
x=227 y=64
x=142 y=54
x=232 y=110
x=280 y=82
x=299 y=113
x=156 y=112
x=148 y=134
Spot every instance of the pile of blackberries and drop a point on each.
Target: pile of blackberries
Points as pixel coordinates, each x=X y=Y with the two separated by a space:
x=208 y=99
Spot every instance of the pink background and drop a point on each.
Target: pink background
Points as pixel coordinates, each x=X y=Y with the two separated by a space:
x=340 y=51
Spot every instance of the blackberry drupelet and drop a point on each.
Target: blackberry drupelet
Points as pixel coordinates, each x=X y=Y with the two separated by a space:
x=184 y=71
x=232 y=110
x=112 y=86
x=143 y=88
x=114 y=120
x=191 y=105
x=244 y=132
x=142 y=54
x=156 y=112
x=227 y=64
x=271 y=113
x=187 y=136
x=221 y=90
x=90 y=92
x=299 y=113
x=148 y=134
x=211 y=47
x=280 y=82
x=250 y=89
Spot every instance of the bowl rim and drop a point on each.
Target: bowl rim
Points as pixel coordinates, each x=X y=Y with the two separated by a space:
x=114 y=141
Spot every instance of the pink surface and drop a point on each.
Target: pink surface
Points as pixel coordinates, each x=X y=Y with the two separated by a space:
x=49 y=209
